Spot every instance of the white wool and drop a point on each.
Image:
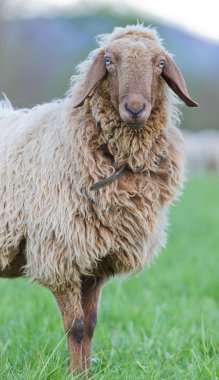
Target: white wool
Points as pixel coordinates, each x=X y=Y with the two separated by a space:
x=47 y=166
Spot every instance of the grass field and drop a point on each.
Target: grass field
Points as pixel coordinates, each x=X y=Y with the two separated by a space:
x=161 y=324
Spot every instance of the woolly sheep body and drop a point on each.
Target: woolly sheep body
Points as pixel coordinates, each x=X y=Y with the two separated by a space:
x=117 y=126
x=49 y=160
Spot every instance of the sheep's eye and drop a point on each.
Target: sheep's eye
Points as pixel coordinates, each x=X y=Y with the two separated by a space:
x=107 y=61
x=161 y=63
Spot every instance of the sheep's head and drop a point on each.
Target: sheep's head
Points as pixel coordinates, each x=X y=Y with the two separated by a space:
x=134 y=67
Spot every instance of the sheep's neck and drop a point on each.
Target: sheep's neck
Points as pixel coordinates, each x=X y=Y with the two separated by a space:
x=139 y=150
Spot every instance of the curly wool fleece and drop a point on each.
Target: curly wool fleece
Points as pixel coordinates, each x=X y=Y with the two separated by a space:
x=51 y=155
x=141 y=149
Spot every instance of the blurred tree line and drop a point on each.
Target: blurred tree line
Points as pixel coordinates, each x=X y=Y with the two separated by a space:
x=38 y=57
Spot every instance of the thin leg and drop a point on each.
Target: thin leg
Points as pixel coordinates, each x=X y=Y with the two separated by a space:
x=91 y=289
x=69 y=302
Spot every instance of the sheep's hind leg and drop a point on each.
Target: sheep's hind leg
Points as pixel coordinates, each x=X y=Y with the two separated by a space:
x=69 y=302
x=91 y=289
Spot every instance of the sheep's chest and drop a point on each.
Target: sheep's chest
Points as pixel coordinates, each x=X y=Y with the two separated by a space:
x=127 y=214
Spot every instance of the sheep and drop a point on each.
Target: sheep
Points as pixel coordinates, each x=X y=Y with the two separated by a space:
x=202 y=151
x=86 y=181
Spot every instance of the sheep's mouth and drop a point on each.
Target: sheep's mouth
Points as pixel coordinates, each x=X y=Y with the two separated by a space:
x=135 y=125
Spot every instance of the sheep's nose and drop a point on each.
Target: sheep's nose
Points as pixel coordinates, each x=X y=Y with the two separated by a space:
x=135 y=112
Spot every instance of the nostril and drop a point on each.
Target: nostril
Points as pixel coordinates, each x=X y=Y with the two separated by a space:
x=134 y=112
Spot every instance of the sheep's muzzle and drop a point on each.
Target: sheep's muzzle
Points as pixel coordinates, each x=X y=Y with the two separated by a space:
x=134 y=110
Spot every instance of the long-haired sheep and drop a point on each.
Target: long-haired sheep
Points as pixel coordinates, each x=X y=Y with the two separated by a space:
x=86 y=181
x=202 y=151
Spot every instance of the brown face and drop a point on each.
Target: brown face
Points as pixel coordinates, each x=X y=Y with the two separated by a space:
x=134 y=69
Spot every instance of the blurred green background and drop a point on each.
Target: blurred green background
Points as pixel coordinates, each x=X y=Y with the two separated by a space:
x=164 y=323
x=38 y=55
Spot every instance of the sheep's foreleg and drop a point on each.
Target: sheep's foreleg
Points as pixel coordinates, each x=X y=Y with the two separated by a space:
x=91 y=288
x=69 y=302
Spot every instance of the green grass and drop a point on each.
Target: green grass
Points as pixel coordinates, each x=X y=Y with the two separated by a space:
x=161 y=324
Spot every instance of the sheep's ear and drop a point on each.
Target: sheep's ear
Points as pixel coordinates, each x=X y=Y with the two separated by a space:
x=96 y=72
x=174 y=78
